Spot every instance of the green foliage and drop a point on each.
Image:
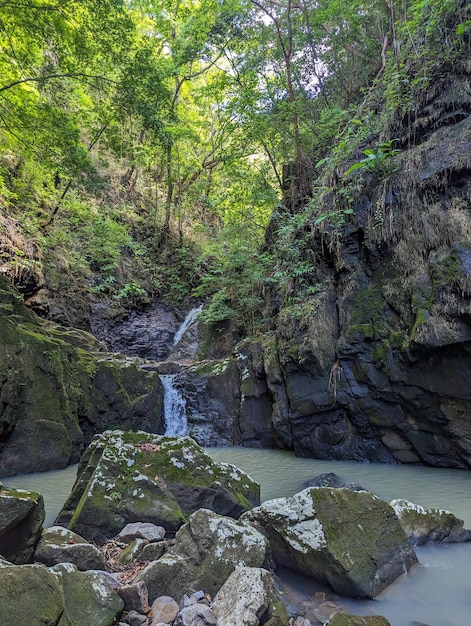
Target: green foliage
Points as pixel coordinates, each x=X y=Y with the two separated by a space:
x=375 y=158
x=144 y=142
x=130 y=293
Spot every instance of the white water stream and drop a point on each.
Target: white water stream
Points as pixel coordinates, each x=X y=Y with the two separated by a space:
x=176 y=424
x=187 y=322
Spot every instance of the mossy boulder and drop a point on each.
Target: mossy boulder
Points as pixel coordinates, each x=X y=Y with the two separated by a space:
x=207 y=550
x=426 y=525
x=39 y=393
x=129 y=476
x=21 y=519
x=89 y=598
x=351 y=540
x=57 y=391
x=30 y=594
x=59 y=545
x=347 y=619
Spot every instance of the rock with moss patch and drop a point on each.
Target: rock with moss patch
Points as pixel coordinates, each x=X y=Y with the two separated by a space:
x=59 y=545
x=89 y=598
x=128 y=477
x=347 y=619
x=54 y=396
x=249 y=598
x=426 y=525
x=30 y=594
x=21 y=519
x=207 y=550
x=350 y=540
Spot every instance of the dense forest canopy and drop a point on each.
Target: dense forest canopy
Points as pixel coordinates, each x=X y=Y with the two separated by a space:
x=176 y=130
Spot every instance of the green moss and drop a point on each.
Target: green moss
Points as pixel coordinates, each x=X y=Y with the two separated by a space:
x=278 y=615
x=380 y=351
x=421 y=317
x=210 y=368
x=366 y=319
x=447 y=271
x=346 y=619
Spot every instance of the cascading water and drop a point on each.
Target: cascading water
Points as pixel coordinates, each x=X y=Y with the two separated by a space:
x=187 y=322
x=176 y=424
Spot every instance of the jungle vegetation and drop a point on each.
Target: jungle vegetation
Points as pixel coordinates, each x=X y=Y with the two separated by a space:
x=195 y=136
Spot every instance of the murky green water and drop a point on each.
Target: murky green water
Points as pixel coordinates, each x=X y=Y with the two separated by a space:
x=436 y=593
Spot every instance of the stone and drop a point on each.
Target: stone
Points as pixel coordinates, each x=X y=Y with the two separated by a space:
x=141 y=530
x=164 y=610
x=196 y=615
x=332 y=480
x=59 y=545
x=328 y=479
x=347 y=619
x=135 y=597
x=207 y=550
x=21 y=519
x=126 y=477
x=351 y=540
x=89 y=598
x=153 y=551
x=136 y=619
x=30 y=594
x=324 y=611
x=426 y=525
x=132 y=551
x=248 y=598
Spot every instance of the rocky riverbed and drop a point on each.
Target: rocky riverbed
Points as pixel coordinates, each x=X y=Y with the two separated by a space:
x=215 y=563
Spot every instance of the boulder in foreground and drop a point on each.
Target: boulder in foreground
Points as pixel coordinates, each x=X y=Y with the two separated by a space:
x=59 y=545
x=249 y=598
x=21 y=519
x=207 y=550
x=351 y=540
x=126 y=477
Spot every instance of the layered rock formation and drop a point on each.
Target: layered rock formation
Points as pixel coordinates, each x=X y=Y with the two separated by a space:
x=370 y=359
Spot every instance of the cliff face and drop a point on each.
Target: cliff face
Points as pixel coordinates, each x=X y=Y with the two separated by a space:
x=377 y=365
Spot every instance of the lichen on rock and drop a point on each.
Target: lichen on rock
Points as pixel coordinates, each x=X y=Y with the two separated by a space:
x=350 y=540
x=139 y=477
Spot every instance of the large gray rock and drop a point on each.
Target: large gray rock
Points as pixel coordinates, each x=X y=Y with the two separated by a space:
x=141 y=530
x=30 y=594
x=164 y=610
x=89 y=598
x=21 y=519
x=128 y=477
x=207 y=550
x=426 y=525
x=248 y=598
x=59 y=545
x=351 y=540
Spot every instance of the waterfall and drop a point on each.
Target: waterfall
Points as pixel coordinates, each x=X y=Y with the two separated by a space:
x=176 y=424
x=189 y=319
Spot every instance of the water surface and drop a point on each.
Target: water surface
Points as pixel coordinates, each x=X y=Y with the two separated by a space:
x=435 y=593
